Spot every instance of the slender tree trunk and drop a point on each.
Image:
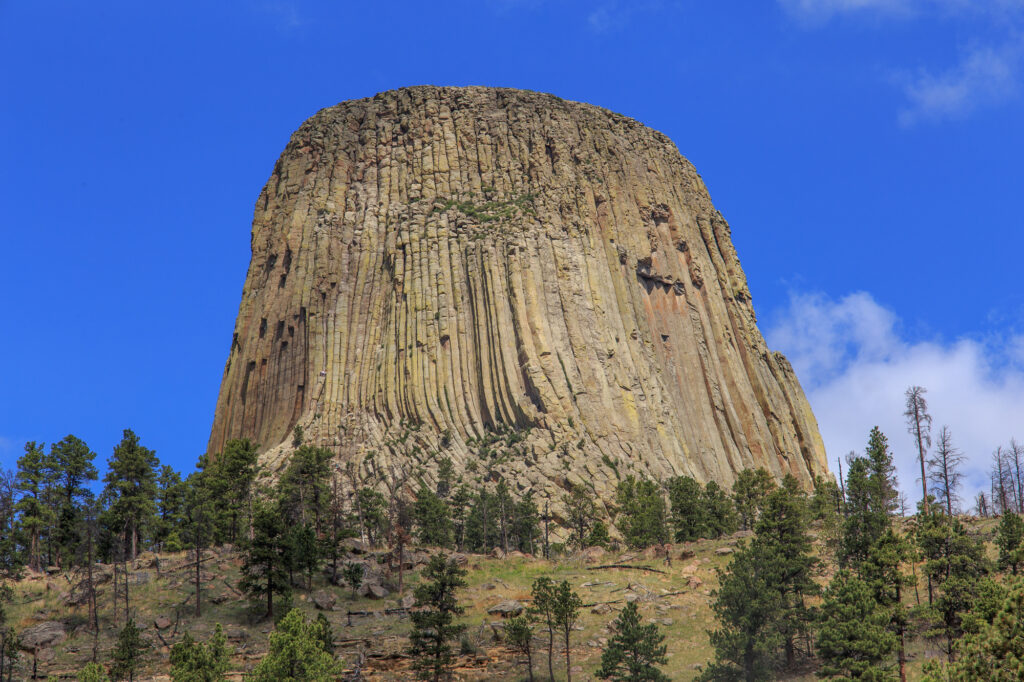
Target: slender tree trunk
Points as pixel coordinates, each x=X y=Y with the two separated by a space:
x=198 y=547
x=529 y=660
x=568 y=663
x=551 y=650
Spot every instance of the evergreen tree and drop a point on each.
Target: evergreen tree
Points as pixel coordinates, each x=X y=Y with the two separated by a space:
x=371 y=507
x=598 y=536
x=265 y=566
x=1009 y=536
x=526 y=523
x=445 y=477
x=994 y=651
x=853 y=639
x=432 y=518
x=296 y=653
x=324 y=633
x=72 y=466
x=303 y=490
x=719 y=513
x=747 y=605
x=353 y=574
x=131 y=490
x=867 y=516
x=781 y=530
x=542 y=608
x=192 y=661
x=642 y=517
x=635 y=651
x=127 y=652
x=170 y=509
x=688 y=509
x=230 y=478
x=35 y=476
x=565 y=609
x=580 y=512
x=955 y=563
x=304 y=553
x=461 y=502
x=92 y=672
x=883 y=573
x=519 y=634
x=881 y=472
x=749 y=491
x=433 y=626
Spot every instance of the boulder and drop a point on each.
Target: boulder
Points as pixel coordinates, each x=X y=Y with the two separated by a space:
x=373 y=591
x=601 y=609
x=722 y=551
x=42 y=636
x=507 y=608
x=162 y=623
x=324 y=600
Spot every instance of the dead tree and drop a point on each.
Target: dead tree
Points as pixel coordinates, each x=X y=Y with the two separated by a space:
x=919 y=424
x=944 y=472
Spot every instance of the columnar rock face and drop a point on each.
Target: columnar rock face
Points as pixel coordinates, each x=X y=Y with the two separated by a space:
x=534 y=288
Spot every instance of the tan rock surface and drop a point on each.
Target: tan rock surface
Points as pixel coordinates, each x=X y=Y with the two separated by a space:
x=432 y=265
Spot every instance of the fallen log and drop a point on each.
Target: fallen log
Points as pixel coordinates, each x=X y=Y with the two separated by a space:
x=628 y=566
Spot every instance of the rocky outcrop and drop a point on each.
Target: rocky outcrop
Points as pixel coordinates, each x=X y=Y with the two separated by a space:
x=532 y=287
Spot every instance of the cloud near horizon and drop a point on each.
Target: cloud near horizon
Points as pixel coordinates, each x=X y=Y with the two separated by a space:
x=855 y=364
x=984 y=76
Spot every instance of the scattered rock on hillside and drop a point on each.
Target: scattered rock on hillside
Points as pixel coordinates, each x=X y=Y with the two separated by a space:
x=324 y=600
x=42 y=636
x=507 y=608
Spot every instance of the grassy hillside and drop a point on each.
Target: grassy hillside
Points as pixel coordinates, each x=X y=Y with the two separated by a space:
x=371 y=634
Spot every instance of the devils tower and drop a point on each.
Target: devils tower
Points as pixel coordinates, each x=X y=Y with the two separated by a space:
x=531 y=287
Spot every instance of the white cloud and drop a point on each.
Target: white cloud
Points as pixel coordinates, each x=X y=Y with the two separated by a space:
x=985 y=77
x=855 y=365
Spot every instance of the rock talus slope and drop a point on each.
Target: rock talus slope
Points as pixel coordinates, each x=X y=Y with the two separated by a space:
x=434 y=265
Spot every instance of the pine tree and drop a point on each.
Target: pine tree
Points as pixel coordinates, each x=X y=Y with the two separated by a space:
x=688 y=509
x=131 y=489
x=433 y=518
x=993 y=652
x=73 y=468
x=371 y=507
x=353 y=574
x=635 y=651
x=883 y=573
x=867 y=514
x=781 y=530
x=1009 y=538
x=642 y=517
x=955 y=563
x=127 y=652
x=719 y=513
x=303 y=490
x=33 y=481
x=170 y=505
x=295 y=653
x=92 y=672
x=565 y=609
x=519 y=634
x=230 y=477
x=192 y=661
x=433 y=626
x=580 y=513
x=749 y=491
x=542 y=608
x=853 y=639
x=747 y=605
x=265 y=566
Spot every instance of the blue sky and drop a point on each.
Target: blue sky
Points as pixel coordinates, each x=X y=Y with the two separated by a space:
x=866 y=153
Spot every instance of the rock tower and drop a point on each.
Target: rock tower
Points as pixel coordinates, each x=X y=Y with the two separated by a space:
x=537 y=289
